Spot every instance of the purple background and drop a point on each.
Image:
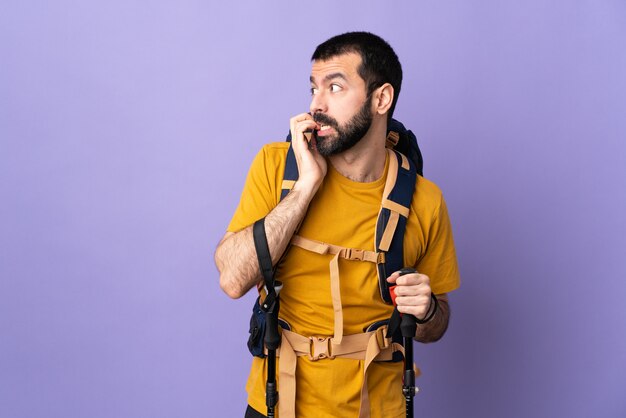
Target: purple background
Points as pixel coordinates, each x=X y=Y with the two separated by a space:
x=126 y=131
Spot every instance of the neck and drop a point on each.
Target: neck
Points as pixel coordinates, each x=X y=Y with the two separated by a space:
x=364 y=162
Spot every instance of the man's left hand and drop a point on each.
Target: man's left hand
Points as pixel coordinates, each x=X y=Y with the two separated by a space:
x=412 y=293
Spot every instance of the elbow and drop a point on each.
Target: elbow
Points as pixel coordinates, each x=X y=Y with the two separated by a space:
x=433 y=338
x=233 y=281
x=229 y=287
x=227 y=282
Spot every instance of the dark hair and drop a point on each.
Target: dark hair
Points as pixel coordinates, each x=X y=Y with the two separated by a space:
x=379 y=63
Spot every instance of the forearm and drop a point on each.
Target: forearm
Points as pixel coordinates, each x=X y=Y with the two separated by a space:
x=434 y=329
x=235 y=256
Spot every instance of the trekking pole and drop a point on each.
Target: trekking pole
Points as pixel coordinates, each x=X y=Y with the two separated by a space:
x=272 y=341
x=408 y=326
x=270 y=305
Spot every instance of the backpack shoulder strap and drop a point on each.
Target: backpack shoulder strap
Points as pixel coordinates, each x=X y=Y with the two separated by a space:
x=291 y=172
x=391 y=223
x=404 y=140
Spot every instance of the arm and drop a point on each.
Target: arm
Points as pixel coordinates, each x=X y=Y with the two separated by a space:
x=235 y=255
x=439 y=262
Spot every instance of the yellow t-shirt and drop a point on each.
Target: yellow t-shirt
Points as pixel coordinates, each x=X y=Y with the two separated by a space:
x=344 y=213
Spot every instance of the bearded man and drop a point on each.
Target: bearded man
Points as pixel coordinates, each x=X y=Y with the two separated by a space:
x=342 y=170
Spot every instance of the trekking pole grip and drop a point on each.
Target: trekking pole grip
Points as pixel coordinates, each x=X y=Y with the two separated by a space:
x=272 y=338
x=408 y=326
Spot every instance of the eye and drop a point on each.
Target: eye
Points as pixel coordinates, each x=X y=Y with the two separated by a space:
x=313 y=91
x=334 y=88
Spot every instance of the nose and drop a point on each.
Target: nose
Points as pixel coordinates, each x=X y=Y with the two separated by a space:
x=318 y=102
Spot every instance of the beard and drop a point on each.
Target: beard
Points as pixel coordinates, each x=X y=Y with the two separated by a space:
x=347 y=135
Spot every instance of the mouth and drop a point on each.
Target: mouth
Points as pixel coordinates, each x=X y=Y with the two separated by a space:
x=324 y=130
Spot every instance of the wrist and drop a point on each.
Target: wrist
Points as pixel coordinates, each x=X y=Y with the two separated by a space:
x=431 y=311
x=307 y=187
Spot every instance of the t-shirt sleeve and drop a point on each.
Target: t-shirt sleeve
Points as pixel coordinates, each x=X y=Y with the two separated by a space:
x=258 y=197
x=439 y=260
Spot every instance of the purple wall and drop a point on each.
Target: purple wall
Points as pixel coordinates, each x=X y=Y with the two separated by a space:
x=126 y=129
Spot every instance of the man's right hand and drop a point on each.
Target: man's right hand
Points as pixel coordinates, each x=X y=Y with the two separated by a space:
x=312 y=167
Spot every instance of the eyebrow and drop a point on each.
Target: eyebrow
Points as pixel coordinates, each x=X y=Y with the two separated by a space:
x=331 y=77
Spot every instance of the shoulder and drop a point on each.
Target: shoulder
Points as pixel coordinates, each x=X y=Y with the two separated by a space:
x=278 y=147
x=275 y=151
x=271 y=159
x=268 y=168
x=428 y=202
x=427 y=193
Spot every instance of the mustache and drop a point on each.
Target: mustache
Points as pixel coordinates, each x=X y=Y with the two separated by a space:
x=324 y=119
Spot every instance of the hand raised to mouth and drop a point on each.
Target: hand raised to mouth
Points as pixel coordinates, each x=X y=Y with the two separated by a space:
x=312 y=167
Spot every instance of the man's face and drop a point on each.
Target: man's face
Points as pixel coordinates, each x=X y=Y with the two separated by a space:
x=340 y=104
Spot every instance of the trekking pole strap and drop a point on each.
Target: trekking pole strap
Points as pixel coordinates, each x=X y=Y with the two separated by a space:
x=263 y=252
x=265 y=266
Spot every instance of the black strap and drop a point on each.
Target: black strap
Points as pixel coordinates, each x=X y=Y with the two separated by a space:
x=263 y=252
x=265 y=265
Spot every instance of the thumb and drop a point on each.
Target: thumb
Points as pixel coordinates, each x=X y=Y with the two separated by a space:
x=393 y=277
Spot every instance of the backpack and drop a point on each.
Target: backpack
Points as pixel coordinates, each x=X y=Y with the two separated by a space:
x=391 y=223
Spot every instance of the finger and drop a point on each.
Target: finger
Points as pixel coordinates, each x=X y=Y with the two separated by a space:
x=408 y=279
x=313 y=146
x=413 y=279
x=421 y=300
x=399 y=273
x=394 y=277
x=304 y=125
x=298 y=118
x=297 y=135
x=301 y=117
x=412 y=290
x=417 y=312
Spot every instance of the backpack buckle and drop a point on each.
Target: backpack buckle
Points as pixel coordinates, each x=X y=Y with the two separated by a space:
x=354 y=254
x=382 y=341
x=392 y=139
x=320 y=347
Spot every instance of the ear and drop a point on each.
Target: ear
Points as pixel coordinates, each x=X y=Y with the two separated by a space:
x=383 y=98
